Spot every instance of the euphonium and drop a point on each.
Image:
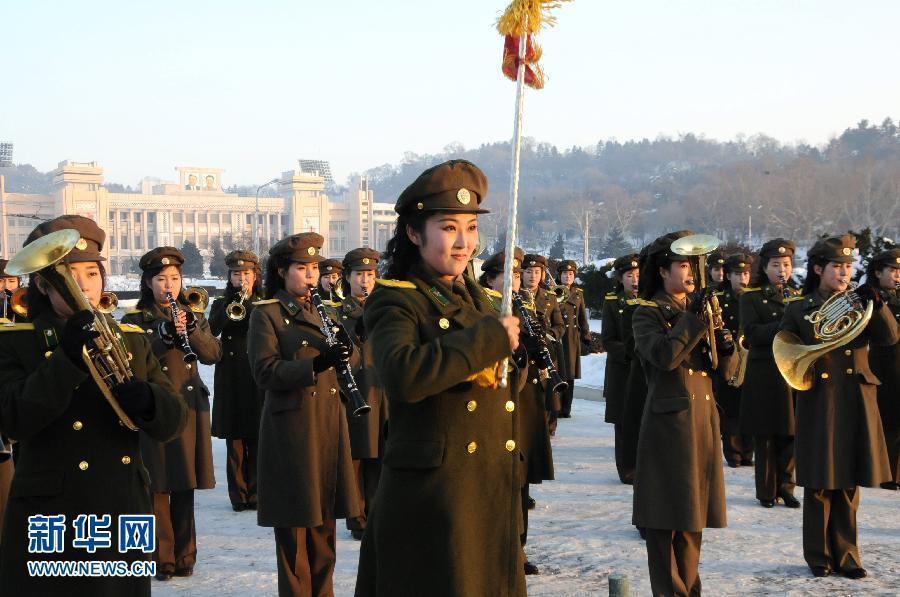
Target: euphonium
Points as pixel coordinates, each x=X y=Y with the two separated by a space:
x=837 y=322
x=105 y=356
x=236 y=311
x=197 y=298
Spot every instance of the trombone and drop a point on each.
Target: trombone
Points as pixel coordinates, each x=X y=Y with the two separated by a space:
x=105 y=356
x=699 y=245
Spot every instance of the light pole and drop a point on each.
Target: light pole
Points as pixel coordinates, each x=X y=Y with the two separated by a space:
x=256 y=216
x=587 y=231
x=750 y=224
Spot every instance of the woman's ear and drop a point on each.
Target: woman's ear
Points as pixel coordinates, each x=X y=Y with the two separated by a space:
x=414 y=236
x=281 y=272
x=818 y=269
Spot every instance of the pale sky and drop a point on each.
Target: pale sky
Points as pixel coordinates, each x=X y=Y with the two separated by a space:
x=141 y=87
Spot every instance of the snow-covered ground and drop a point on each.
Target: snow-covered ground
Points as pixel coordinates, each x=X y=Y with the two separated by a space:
x=580 y=532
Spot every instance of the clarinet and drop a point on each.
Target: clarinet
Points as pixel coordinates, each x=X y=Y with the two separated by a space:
x=357 y=404
x=785 y=289
x=183 y=344
x=532 y=330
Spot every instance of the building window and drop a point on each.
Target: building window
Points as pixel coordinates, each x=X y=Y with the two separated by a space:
x=137 y=217
x=177 y=217
x=123 y=215
x=112 y=242
x=138 y=244
x=249 y=219
x=124 y=245
x=151 y=217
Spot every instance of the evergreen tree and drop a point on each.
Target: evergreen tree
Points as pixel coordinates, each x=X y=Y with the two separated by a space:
x=193 y=260
x=615 y=244
x=217 y=267
x=558 y=250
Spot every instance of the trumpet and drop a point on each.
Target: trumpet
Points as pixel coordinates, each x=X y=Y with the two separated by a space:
x=197 y=298
x=108 y=302
x=236 y=311
x=105 y=356
x=699 y=245
x=561 y=291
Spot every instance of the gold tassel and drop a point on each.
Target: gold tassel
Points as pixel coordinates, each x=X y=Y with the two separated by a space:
x=489 y=377
x=513 y=20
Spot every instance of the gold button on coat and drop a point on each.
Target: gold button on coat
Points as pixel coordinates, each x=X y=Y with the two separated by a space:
x=77 y=425
x=849 y=371
x=165 y=368
x=333 y=390
x=188 y=366
x=848 y=352
x=126 y=459
x=472 y=447
x=510 y=445
x=510 y=406
x=824 y=376
x=190 y=388
x=471 y=405
x=83 y=465
x=444 y=323
x=48 y=354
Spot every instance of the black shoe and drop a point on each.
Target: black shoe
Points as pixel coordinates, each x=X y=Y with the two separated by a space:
x=357 y=534
x=767 y=503
x=733 y=463
x=251 y=506
x=890 y=485
x=642 y=533
x=820 y=571
x=531 y=503
x=164 y=574
x=565 y=416
x=855 y=573
x=238 y=507
x=748 y=462
x=531 y=568
x=184 y=571
x=789 y=500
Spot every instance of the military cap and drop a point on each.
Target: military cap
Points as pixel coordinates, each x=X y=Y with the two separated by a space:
x=566 y=265
x=241 y=260
x=834 y=248
x=738 y=262
x=3 y=273
x=88 y=248
x=456 y=185
x=533 y=260
x=331 y=266
x=889 y=258
x=161 y=257
x=625 y=263
x=777 y=247
x=305 y=247
x=361 y=260
x=715 y=259
x=495 y=263
x=660 y=250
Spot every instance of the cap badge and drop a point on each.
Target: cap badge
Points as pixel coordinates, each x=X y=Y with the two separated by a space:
x=742 y=264
x=329 y=268
x=240 y=262
x=444 y=323
x=81 y=245
x=782 y=250
x=365 y=261
x=463 y=196
x=897 y=260
x=164 y=261
x=311 y=250
x=846 y=250
x=634 y=264
x=516 y=262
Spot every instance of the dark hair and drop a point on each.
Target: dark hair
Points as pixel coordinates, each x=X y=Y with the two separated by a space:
x=39 y=303
x=402 y=254
x=147 y=300
x=257 y=282
x=812 y=281
x=650 y=280
x=486 y=278
x=871 y=280
x=274 y=280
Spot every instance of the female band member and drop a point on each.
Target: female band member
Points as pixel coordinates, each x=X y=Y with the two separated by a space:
x=306 y=476
x=446 y=519
x=840 y=443
x=679 y=487
x=238 y=400
x=184 y=464
x=76 y=459
x=576 y=331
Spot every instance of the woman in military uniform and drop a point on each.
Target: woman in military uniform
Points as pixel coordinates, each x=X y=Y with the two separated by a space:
x=576 y=331
x=618 y=357
x=534 y=273
x=237 y=400
x=330 y=271
x=8 y=285
x=306 y=478
x=533 y=433
x=679 y=487
x=840 y=443
x=883 y=273
x=767 y=402
x=366 y=432
x=184 y=464
x=76 y=457
x=446 y=519
x=737 y=446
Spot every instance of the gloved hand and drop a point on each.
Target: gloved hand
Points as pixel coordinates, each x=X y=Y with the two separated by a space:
x=76 y=333
x=332 y=356
x=167 y=332
x=136 y=398
x=869 y=293
x=724 y=341
x=191 y=321
x=696 y=302
x=532 y=344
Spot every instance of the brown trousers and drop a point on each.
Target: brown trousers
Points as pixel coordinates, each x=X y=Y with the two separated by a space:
x=176 y=535
x=829 y=528
x=674 y=561
x=368 y=472
x=306 y=558
x=774 y=465
x=241 y=471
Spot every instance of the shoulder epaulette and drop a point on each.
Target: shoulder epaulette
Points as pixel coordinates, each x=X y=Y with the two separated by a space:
x=632 y=301
x=16 y=327
x=579 y=290
x=754 y=289
x=645 y=303
x=130 y=327
x=794 y=298
x=332 y=304
x=493 y=293
x=394 y=283
x=132 y=311
x=612 y=296
x=719 y=293
x=265 y=302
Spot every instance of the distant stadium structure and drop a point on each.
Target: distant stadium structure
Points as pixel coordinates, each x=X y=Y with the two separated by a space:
x=6 y=155
x=319 y=167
